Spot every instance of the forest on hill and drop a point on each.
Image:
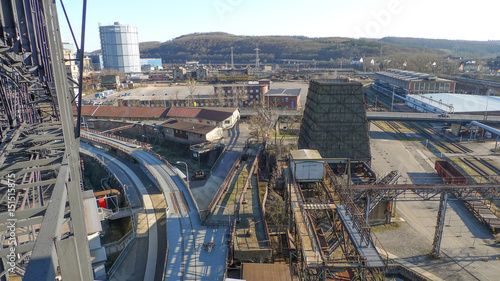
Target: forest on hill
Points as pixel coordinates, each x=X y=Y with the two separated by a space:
x=455 y=48
x=216 y=48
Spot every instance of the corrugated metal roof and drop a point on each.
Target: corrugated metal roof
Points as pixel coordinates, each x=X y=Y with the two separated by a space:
x=215 y=115
x=212 y=113
x=283 y=92
x=185 y=112
x=86 y=110
x=187 y=126
x=462 y=103
x=266 y=272
x=304 y=154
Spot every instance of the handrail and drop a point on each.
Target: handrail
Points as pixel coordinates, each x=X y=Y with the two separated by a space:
x=223 y=188
x=218 y=160
x=125 y=250
x=131 y=234
x=120 y=258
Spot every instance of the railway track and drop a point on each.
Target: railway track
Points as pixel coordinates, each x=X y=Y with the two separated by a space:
x=484 y=169
x=393 y=128
x=452 y=142
x=490 y=166
x=450 y=146
x=474 y=167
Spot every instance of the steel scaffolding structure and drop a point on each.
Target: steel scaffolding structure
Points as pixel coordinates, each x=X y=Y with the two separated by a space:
x=42 y=236
x=330 y=232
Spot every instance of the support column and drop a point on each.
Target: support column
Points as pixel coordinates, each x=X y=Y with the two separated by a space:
x=496 y=146
x=82 y=270
x=436 y=245
x=455 y=128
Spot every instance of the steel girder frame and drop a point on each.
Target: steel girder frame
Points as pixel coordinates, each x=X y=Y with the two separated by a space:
x=39 y=146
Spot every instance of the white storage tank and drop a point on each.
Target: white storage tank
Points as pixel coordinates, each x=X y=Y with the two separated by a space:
x=306 y=165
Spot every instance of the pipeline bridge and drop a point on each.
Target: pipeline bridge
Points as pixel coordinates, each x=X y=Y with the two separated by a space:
x=398 y=116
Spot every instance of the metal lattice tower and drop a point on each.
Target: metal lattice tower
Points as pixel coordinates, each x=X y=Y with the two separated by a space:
x=335 y=121
x=41 y=208
x=257 y=59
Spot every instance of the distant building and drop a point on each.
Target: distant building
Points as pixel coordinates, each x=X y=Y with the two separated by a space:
x=97 y=62
x=87 y=66
x=179 y=73
x=494 y=64
x=202 y=73
x=120 y=47
x=72 y=69
x=222 y=95
x=356 y=61
x=413 y=83
x=159 y=77
x=283 y=98
x=110 y=82
x=191 y=132
x=224 y=118
x=244 y=95
x=151 y=64
x=221 y=117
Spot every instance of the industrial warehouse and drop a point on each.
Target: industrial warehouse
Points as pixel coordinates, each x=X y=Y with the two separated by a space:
x=455 y=103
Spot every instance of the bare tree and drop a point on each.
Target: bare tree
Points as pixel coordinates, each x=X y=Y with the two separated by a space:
x=240 y=95
x=191 y=85
x=261 y=122
x=219 y=96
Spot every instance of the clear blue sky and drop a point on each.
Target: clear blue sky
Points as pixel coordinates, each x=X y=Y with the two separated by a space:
x=162 y=20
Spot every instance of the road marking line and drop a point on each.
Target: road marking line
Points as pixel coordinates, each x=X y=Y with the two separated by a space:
x=186 y=205
x=178 y=197
x=174 y=203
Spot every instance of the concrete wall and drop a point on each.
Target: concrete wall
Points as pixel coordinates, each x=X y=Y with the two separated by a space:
x=380 y=214
x=257 y=255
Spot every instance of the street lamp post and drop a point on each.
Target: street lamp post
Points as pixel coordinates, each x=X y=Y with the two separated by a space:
x=187 y=171
x=486 y=110
x=392 y=103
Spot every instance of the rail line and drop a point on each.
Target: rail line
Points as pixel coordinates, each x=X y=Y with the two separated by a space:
x=452 y=142
x=490 y=166
x=449 y=147
x=473 y=166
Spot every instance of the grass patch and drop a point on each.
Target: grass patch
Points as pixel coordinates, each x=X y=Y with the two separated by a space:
x=387 y=227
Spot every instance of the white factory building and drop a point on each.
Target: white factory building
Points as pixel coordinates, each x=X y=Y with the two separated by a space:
x=454 y=103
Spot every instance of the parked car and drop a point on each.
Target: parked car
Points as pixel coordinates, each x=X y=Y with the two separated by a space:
x=199 y=175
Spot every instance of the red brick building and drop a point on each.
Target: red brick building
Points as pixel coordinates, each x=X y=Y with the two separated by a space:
x=283 y=98
x=243 y=94
x=414 y=83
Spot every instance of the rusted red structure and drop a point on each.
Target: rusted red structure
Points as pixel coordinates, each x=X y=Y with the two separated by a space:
x=448 y=172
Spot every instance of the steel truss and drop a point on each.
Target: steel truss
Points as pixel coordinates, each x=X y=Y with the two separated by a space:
x=339 y=252
x=39 y=155
x=373 y=194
